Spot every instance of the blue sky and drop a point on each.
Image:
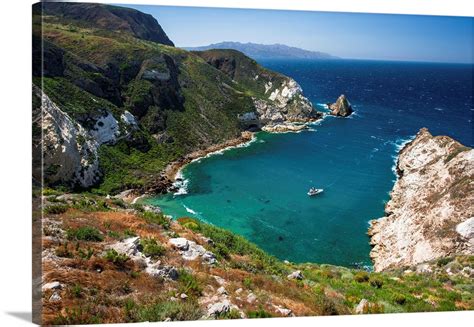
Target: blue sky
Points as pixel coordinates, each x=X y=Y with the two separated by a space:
x=360 y=36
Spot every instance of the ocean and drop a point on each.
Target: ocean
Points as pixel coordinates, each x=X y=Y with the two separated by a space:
x=259 y=191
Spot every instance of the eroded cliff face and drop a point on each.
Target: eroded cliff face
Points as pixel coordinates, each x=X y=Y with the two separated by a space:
x=431 y=211
x=285 y=104
x=69 y=150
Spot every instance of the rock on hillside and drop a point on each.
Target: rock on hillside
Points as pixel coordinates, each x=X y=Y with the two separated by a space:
x=113 y=18
x=430 y=213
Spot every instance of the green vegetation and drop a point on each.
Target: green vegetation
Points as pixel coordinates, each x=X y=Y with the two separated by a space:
x=76 y=290
x=77 y=316
x=151 y=248
x=390 y=292
x=260 y=313
x=156 y=218
x=231 y=314
x=227 y=243
x=188 y=284
x=55 y=209
x=457 y=151
x=87 y=233
x=162 y=309
x=117 y=258
x=90 y=203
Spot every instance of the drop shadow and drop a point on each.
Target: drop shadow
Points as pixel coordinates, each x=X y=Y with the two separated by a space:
x=22 y=315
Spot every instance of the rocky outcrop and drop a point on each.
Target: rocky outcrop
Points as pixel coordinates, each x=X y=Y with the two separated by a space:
x=191 y=251
x=430 y=213
x=341 y=108
x=286 y=105
x=69 y=150
x=278 y=99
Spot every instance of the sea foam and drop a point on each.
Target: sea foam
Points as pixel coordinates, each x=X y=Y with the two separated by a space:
x=181 y=184
x=399 y=144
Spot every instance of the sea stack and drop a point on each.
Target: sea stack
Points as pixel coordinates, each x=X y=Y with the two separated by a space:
x=431 y=211
x=341 y=108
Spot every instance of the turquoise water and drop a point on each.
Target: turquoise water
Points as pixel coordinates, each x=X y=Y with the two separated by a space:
x=259 y=191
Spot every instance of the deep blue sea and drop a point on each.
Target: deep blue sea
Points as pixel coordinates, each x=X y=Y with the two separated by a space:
x=259 y=191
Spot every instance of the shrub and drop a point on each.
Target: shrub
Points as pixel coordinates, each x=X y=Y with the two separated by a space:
x=444 y=261
x=231 y=314
x=90 y=205
x=63 y=251
x=76 y=290
x=188 y=284
x=151 y=248
x=77 y=316
x=156 y=218
x=86 y=255
x=189 y=223
x=248 y=283
x=399 y=298
x=129 y=233
x=361 y=277
x=84 y=234
x=328 y=307
x=113 y=234
x=160 y=310
x=115 y=257
x=119 y=203
x=376 y=281
x=49 y=191
x=260 y=313
x=55 y=209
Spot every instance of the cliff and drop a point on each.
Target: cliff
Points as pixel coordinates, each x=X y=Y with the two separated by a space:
x=431 y=211
x=128 y=103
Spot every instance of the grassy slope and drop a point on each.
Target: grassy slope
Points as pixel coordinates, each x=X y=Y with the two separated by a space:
x=104 y=287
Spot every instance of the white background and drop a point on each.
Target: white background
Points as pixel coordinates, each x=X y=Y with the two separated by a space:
x=15 y=156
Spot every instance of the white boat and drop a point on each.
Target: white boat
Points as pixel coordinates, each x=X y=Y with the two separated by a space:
x=315 y=191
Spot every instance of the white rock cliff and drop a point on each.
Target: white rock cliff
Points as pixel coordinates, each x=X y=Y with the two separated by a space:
x=430 y=213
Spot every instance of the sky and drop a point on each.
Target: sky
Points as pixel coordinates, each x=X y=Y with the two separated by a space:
x=346 y=35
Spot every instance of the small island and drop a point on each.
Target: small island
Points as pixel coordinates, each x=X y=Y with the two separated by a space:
x=341 y=107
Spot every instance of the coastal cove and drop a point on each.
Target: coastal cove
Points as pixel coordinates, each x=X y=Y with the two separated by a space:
x=259 y=191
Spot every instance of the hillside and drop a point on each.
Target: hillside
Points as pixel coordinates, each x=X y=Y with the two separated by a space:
x=122 y=102
x=106 y=261
x=266 y=51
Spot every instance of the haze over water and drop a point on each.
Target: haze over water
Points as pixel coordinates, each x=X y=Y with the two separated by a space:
x=259 y=191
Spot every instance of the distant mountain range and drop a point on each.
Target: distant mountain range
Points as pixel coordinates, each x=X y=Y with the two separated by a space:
x=257 y=51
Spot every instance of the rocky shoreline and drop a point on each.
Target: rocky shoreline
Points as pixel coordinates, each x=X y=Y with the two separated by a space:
x=430 y=214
